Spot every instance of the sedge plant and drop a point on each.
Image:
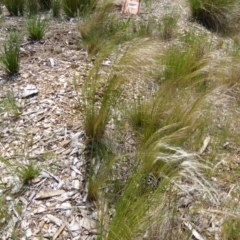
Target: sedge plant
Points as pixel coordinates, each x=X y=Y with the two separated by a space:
x=220 y=16
x=169 y=23
x=32 y=7
x=99 y=96
x=142 y=207
x=56 y=7
x=185 y=64
x=15 y=7
x=82 y=7
x=97 y=113
x=102 y=27
x=36 y=27
x=10 y=59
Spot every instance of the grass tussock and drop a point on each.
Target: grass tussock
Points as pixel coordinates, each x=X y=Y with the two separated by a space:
x=10 y=56
x=154 y=207
x=184 y=64
x=80 y=7
x=97 y=108
x=36 y=27
x=220 y=16
x=56 y=6
x=32 y=7
x=105 y=28
x=169 y=23
x=168 y=123
x=15 y=7
x=102 y=28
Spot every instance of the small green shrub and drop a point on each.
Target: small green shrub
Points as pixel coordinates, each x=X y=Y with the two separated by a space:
x=10 y=56
x=56 y=7
x=15 y=7
x=217 y=15
x=36 y=27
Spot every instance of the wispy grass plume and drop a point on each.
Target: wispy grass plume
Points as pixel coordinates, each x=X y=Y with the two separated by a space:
x=143 y=208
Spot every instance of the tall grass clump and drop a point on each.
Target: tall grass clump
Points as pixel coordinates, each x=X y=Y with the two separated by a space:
x=185 y=63
x=217 y=15
x=169 y=23
x=164 y=28
x=151 y=209
x=56 y=7
x=36 y=27
x=15 y=7
x=97 y=111
x=99 y=97
x=73 y=7
x=10 y=56
x=32 y=7
x=168 y=129
x=102 y=29
x=170 y=110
